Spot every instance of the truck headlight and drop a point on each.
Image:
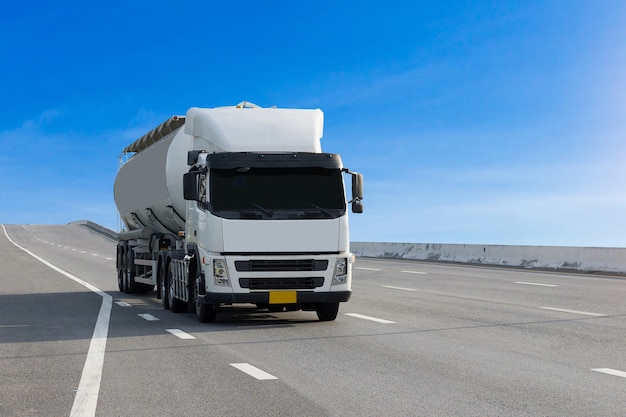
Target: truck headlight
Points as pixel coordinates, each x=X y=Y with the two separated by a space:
x=341 y=271
x=220 y=272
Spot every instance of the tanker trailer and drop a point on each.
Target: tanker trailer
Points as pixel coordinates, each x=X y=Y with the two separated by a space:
x=235 y=205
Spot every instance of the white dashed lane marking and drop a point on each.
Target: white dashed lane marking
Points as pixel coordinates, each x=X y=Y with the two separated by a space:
x=148 y=317
x=399 y=288
x=377 y=320
x=180 y=334
x=123 y=304
x=76 y=250
x=610 y=371
x=564 y=310
x=253 y=371
x=537 y=284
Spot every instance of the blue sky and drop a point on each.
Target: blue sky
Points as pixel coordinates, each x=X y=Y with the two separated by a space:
x=494 y=122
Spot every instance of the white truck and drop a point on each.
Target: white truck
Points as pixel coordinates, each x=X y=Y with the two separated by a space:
x=235 y=205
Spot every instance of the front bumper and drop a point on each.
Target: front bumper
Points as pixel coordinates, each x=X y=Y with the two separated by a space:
x=303 y=297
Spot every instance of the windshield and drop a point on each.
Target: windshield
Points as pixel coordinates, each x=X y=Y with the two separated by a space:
x=277 y=193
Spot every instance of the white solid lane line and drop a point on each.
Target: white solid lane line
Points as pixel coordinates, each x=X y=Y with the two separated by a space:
x=415 y=272
x=180 y=334
x=538 y=284
x=610 y=371
x=367 y=269
x=399 y=288
x=377 y=320
x=582 y=313
x=253 y=371
x=86 y=398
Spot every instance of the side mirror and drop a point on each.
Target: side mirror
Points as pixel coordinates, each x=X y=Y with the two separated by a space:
x=357 y=191
x=357 y=186
x=190 y=186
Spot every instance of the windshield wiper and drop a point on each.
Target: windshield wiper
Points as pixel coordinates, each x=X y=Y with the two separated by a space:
x=263 y=209
x=323 y=210
x=255 y=205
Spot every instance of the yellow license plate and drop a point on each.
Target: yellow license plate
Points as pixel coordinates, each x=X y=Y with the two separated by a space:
x=283 y=297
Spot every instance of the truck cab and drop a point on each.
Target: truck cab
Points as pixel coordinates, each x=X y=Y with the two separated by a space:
x=271 y=229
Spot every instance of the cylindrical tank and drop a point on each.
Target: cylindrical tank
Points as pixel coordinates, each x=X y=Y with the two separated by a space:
x=148 y=189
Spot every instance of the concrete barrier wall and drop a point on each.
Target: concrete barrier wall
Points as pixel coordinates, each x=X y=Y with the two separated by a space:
x=580 y=259
x=97 y=228
x=563 y=258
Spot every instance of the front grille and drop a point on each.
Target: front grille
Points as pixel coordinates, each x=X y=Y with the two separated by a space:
x=281 y=265
x=281 y=283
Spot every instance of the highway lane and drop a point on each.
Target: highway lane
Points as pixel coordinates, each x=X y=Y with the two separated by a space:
x=415 y=339
x=46 y=322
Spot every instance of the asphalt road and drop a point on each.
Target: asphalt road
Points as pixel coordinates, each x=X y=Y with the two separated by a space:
x=416 y=339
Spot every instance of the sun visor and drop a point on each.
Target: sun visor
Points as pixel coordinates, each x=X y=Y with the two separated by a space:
x=231 y=129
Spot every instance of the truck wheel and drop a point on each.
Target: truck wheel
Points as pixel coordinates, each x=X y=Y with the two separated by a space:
x=129 y=288
x=120 y=279
x=129 y=273
x=165 y=296
x=205 y=312
x=164 y=286
x=176 y=305
x=327 y=311
x=120 y=267
x=125 y=279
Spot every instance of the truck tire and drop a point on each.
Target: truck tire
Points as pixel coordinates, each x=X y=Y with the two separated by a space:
x=120 y=267
x=129 y=287
x=327 y=311
x=205 y=312
x=164 y=285
x=120 y=279
x=176 y=305
x=129 y=272
x=165 y=296
x=129 y=283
